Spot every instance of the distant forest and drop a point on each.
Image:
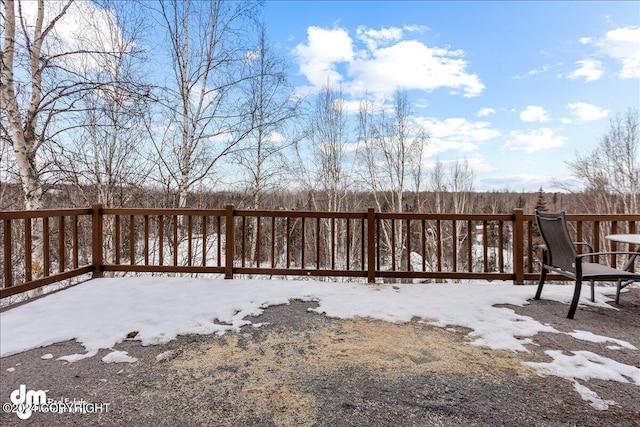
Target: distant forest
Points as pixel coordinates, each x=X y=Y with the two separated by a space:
x=494 y=202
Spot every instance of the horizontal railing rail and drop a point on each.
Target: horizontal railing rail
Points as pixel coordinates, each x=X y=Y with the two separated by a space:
x=44 y=247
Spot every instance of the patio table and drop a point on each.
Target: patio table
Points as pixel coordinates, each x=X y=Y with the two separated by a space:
x=632 y=239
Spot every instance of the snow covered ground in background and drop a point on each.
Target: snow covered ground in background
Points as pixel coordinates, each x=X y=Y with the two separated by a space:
x=101 y=313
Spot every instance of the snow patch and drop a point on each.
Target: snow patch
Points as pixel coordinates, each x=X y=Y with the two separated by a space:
x=592 y=397
x=119 y=356
x=589 y=336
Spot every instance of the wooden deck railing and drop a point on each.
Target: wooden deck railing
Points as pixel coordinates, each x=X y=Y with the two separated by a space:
x=234 y=242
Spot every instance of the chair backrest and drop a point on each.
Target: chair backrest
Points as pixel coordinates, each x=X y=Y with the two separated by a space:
x=560 y=247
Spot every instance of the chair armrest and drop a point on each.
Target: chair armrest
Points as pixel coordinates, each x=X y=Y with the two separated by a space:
x=584 y=244
x=590 y=254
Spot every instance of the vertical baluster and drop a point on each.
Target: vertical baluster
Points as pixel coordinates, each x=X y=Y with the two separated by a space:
x=348 y=242
x=258 y=242
x=175 y=240
x=204 y=240
x=243 y=238
x=45 y=246
x=333 y=243
x=408 y=238
x=302 y=265
x=61 y=245
x=132 y=240
x=362 y=243
x=501 y=246
x=318 y=243
x=393 y=244
x=454 y=245
x=439 y=243
x=8 y=261
x=469 y=246
x=161 y=240
x=288 y=242
x=273 y=242
x=146 y=240
x=219 y=239
x=424 y=244
x=485 y=246
x=27 y=250
x=189 y=240
x=117 y=239
x=74 y=239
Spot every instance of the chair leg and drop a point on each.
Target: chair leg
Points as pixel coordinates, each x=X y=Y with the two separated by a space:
x=576 y=298
x=543 y=276
x=618 y=291
x=593 y=292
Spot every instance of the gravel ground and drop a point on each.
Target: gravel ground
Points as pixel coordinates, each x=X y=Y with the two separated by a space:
x=304 y=369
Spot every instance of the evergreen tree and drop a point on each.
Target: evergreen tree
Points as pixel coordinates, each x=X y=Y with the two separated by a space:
x=541 y=203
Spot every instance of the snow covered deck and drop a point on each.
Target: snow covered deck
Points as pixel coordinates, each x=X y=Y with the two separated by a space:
x=100 y=313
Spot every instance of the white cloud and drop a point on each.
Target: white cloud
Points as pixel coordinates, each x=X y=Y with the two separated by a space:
x=587 y=112
x=275 y=137
x=325 y=48
x=532 y=141
x=534 y=113
x=457 y=134
x=383 y=63
x=411 y=64
x=623 y=44
x=485 y=112
x=83 y=27
x=544 y=69
x=416 y=28
x=374 y=38
x=477 y=163
x=535 y=71
x=590 y=69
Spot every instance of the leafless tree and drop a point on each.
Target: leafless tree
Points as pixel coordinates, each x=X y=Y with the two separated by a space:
x=107 y=160
x=321 y=157
x=452 y=189
x=392 y=147
x=42 y=82
x=202 y=118
x=272 y=106
x=611 y=172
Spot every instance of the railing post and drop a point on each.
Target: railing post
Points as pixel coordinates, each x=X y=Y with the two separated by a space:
x=518 y=246
x=371 y=246
x=96 y=240
x=229 y=243
x=8 y=260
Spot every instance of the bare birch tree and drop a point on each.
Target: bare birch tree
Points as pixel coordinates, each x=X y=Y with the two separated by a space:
x=41 y=83
x=107 y=160
x=321 y=156
x=207 y=48
x=392 y=147
x=452 y=189
x=271 y=106
x=611 y=172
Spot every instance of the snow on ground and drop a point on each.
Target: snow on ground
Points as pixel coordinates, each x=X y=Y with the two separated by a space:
x=100 y=313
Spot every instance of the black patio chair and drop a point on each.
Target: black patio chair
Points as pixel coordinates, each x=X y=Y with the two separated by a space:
x=560 y=256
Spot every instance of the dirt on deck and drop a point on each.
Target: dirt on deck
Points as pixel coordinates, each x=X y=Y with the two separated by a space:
x=305 y=369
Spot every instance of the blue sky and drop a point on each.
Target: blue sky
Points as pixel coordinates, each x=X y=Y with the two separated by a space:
x=517 y=88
